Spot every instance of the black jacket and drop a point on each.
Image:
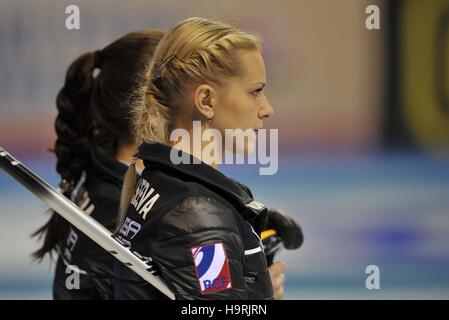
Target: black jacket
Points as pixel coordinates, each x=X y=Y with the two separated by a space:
x=200 y=228
x=98 y=194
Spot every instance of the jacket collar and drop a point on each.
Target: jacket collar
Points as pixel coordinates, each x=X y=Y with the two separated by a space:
x=157 y=155
x=107 y=166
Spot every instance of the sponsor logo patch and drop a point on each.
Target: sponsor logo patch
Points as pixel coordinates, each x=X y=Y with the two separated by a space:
x=212 y=268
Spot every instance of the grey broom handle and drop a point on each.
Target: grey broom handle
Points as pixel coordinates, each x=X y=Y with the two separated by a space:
x=86 y=224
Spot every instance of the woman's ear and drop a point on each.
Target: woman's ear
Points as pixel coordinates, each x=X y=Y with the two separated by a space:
x=204 y=100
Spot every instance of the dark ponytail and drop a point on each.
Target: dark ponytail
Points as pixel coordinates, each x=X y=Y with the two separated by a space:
x=94 y=111
x=73 y=127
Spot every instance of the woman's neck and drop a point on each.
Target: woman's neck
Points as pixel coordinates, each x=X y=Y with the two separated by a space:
x=191 y=143
x=125 y=154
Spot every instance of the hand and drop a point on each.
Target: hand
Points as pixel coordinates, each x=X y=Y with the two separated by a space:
x=287 y=228
x=277 y=276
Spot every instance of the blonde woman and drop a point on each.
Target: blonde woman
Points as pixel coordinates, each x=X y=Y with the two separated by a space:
x=200 y=227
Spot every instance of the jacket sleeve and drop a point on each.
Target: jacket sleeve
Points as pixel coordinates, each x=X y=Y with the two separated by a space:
x=199 y=250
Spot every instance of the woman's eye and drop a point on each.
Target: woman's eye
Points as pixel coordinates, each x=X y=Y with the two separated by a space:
x=257 y=92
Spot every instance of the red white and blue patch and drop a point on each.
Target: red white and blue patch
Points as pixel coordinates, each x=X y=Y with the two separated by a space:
x=212 y=268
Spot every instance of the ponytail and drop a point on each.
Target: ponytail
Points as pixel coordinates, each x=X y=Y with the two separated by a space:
x=74 y=133
x=129 y=184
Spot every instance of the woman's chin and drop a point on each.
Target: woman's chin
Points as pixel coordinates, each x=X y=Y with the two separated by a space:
x=246 y=148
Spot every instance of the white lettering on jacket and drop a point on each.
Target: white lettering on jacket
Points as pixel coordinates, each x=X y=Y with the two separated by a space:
x=144 y=197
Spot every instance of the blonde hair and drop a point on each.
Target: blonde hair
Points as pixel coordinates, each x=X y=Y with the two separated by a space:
x=194 y=51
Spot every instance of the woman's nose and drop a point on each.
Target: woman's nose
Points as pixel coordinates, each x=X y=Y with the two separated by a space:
x=267 y=111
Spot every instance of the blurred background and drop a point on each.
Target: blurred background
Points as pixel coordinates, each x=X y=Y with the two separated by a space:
x=363 y=119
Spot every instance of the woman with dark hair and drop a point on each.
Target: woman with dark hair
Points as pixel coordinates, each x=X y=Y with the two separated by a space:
x=93 y=147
